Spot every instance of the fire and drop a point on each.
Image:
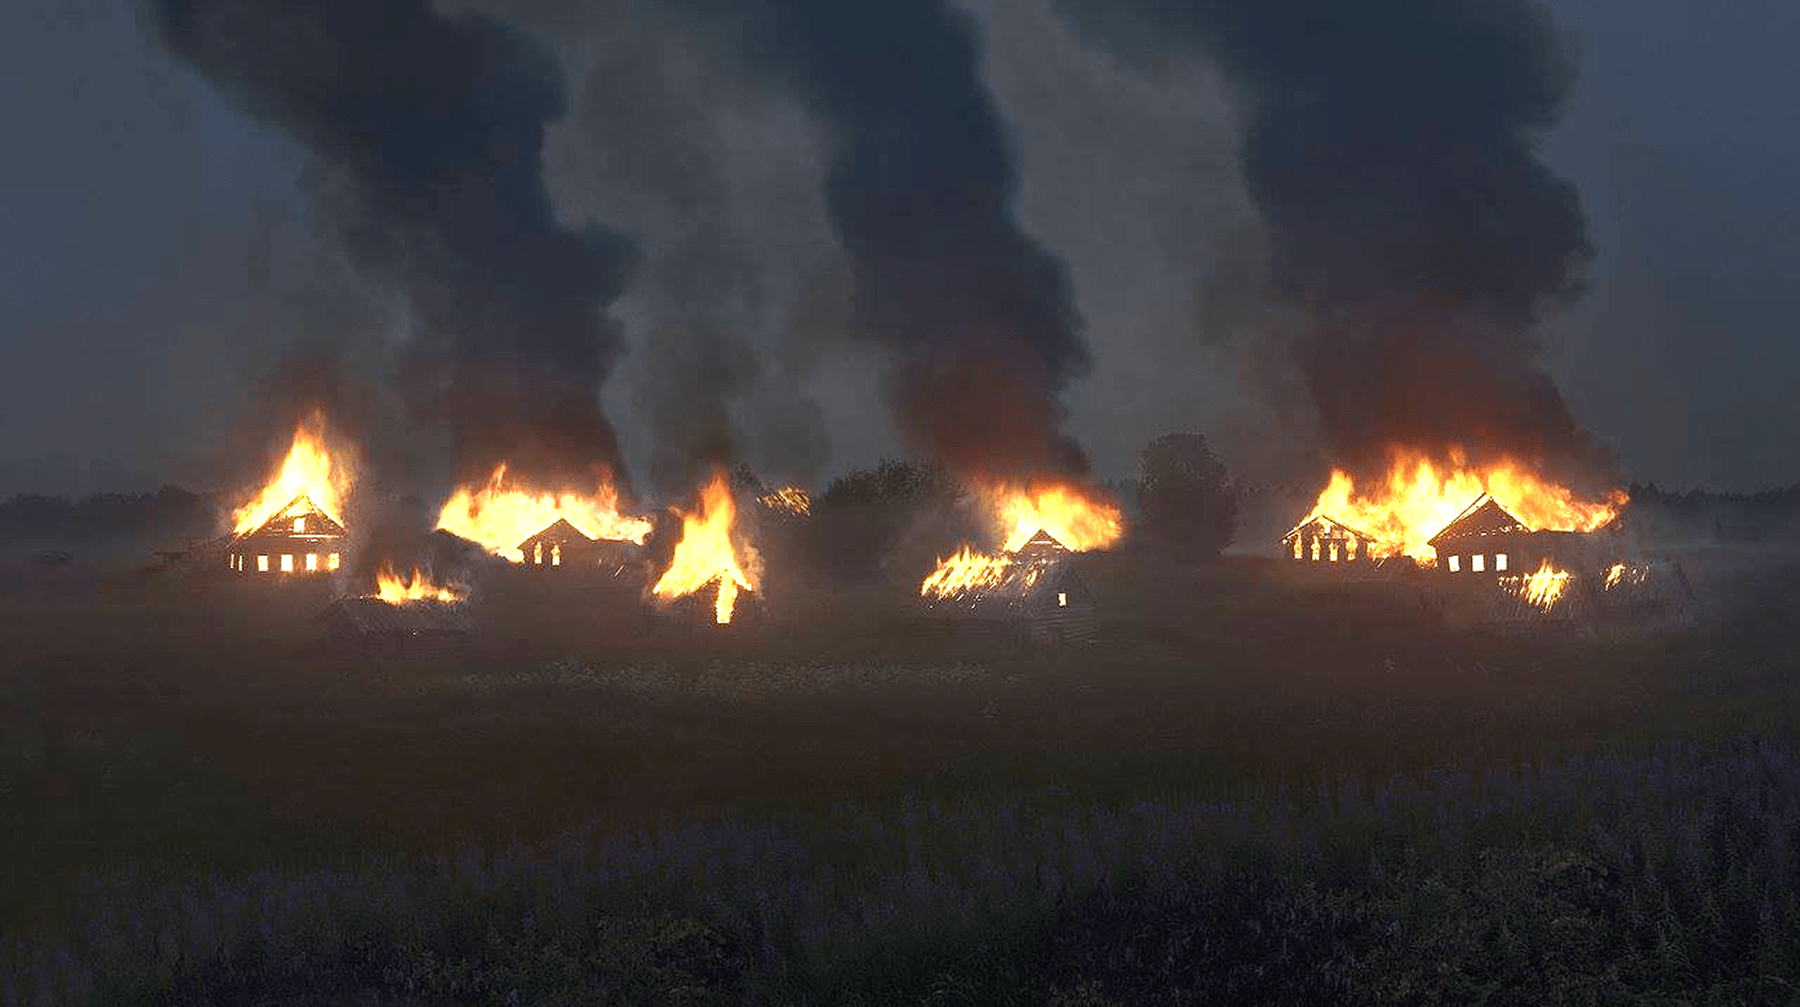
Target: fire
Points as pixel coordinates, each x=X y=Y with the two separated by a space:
x=499 y=515
x=706 y=553
x=791 y=499
x=967 y=570
x=417 y=586
x=1544 y=587
x=1075 y=518
x=1419 y=498
x=1619 y=573
x=310 y=469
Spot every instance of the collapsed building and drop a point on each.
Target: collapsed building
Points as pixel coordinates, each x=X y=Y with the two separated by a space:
x=1029 y=595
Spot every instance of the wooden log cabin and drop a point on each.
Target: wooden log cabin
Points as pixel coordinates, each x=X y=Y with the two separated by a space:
x=1486 y=539
x=1325 y=540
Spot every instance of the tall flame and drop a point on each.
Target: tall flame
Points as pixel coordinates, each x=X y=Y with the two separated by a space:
x=499 y=515
x=396 y=589
x=1419 y=497
x=1542 y=588
x=706 y=554
x=308 y=468
x=1074 y=516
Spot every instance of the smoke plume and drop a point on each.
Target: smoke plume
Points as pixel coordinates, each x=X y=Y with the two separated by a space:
x=1389 y=147
x=435 y=125
x=920 y=189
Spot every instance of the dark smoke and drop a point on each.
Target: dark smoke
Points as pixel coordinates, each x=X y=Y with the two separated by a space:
x=435 y=124
x=920 y=189
x=1390 y=149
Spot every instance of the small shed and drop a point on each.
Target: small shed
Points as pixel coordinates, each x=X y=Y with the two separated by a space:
x=298 y=540
x=368 y=625
x=1037 y=599
x=1325 y=541
x=564 y=547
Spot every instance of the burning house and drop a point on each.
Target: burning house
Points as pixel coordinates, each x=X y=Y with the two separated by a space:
x=1486 y=539
x=299 y=539
x=1029 y=595
x=1326 y=540
x=562 y=546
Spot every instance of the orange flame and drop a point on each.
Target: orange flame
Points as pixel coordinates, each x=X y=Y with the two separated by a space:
x=1419 y=498
x=791 y=499
x=396 y=589
x=967 y=570
x=1076 y=518
x=310 y=468
x=1542 y=588
x=499 y=515
x=706 y=554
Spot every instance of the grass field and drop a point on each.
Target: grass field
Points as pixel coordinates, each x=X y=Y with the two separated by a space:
x=827 y=809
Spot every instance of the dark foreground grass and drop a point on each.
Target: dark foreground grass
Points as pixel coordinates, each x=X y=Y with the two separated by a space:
x=1663 y=877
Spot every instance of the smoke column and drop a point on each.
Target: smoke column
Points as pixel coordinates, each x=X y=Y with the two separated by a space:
x=1390 y=149
x=920 y=188
x=435 y=124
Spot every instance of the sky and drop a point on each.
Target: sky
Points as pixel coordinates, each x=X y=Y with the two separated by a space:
x=159 y=251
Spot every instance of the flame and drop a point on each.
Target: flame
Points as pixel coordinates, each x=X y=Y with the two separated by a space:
x=966 y=570
x=706 y=554
x=417 y=586
x=499 y=515
x=1619 y=573
x=1076 y=518
x=1420 y=497
x=1542 y=588
x=310 y=469
x=791 y=499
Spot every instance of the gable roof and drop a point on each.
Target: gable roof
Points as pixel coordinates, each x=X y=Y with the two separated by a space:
x=318 y=524
x=559 y=532
x=1483 y=517
x=1330 y=524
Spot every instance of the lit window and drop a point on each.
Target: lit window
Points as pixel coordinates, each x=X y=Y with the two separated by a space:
x=1477 y=562
x=299 y=524
x=262 y=564
x=1297 y=547
x=1062 y=599
x=1500 y=561
x=537 y=553
x=1331 y=551
x=331 y=561
x=556 y=554
x=1455 y=563
x=1350 y=549
x=312 y=561
x=1315 y=550
x=287 y=563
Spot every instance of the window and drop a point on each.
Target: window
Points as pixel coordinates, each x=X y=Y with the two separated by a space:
x=1297 y=547
x=287 y=562
x=1455 y=563
x=1331 y=551
x=331 y=561
x=1062 y=599
x=312 y=561
x=1477 y=562
x=262 y=564
x=1500 y=561
x=556 y=554
x=537 y=553
x=1315 y=550
x=1350 y=549
x=299 y=525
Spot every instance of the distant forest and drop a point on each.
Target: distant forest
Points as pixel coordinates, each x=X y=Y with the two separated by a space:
x=171 y=513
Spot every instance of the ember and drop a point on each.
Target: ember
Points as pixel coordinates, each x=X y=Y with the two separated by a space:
x=396 y=589
x=500 y=514
x=309 y=470
x=706 y=554
x=790 y=499
x=1420 y=497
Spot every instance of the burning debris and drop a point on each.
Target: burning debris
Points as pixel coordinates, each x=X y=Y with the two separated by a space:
x=790 y=500
x=416 y=586
x=372 y=625
x=1030 y=521
x=707 y=557
x=506 y=518
x=1542 y=588
x=1031 y=593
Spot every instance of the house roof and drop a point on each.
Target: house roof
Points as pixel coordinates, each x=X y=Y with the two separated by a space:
x=1483 y=517
x=558 y=532
x=1330 y=523
x=1024 y=586
x=318 y=524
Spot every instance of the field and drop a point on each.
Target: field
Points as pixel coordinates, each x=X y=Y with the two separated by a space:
x=1251 y=788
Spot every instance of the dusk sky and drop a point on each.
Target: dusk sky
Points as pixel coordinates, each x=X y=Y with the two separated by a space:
x=158 y=250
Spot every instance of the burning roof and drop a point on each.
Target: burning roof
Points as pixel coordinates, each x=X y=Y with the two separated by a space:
x=1483 y=517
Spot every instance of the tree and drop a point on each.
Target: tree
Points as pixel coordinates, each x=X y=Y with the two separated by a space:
x=1185 y=498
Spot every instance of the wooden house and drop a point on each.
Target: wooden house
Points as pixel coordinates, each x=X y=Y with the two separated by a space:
x=367 y=625
x=1326 y=541
x=563 y=547
x=1038 y=599
x=299 y=540
x=1485 y=539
